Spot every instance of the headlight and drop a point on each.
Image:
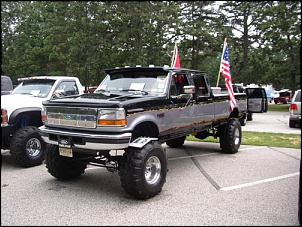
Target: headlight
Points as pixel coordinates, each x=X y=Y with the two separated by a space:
x=114 y=117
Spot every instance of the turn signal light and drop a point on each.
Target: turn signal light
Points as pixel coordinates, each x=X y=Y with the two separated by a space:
x=4 y=118
x=121 y=122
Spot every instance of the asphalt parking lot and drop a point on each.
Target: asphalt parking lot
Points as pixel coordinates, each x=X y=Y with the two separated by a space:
x=272 y=121
x=258 y=186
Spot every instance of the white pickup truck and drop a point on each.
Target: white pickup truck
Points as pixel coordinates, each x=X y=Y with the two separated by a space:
x=21 y=115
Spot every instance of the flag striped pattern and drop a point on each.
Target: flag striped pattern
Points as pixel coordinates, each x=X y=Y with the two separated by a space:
x=175 y=58
x=226 y=73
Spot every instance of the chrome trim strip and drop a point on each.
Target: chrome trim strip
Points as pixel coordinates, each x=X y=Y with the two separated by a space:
x=126 y=135
x=89 y=145
x=92 y=146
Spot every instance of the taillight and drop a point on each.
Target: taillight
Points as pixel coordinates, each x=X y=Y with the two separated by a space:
x=293 y=106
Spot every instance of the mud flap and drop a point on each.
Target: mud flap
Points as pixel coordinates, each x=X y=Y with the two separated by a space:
x=141 y=141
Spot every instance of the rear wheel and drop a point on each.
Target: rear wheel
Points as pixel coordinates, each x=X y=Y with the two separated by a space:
x=249 y=117
x=230 y=137
x=62 y=168
x=143 y=170
x=178 y=142
x=243 y=120
x=292 y=124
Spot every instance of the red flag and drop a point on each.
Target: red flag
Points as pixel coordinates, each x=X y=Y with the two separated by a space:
x=176 y=63
x=226 y=73
x=175 y=58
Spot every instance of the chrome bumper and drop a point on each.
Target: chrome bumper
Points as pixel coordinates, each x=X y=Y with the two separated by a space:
x=91 y=141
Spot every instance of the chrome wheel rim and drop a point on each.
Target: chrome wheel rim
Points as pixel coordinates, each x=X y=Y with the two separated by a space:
x=33 y=147
x=237 y=136
x=152 y=170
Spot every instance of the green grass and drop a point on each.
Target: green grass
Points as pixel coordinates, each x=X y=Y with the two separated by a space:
x=262 y=139
x=278 y=107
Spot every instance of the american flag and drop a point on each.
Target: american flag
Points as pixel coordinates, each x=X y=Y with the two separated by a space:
x=175 y=58
x=226 y=73
x=176 y=63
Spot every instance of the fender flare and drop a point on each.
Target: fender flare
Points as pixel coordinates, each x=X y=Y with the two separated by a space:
x=141 y=141
x=14 y=115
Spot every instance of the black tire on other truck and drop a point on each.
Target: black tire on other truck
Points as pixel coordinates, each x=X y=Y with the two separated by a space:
x=230 y=137
x=243 y=120
x=62 y=168
x=27 y=147
x=249 y=117
x=178 y=142
x=143 y=170
x=292 y=124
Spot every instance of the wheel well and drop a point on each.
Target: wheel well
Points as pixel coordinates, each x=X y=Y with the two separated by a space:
x=235 y=113
x=30 y=118
x=147 y=129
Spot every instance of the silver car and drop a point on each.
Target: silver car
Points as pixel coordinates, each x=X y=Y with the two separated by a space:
x=295 y=110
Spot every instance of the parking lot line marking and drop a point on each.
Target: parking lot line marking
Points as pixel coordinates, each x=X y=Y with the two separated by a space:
x=258 y=182
x=252 y=148
x=192 y=156
x=202 y=170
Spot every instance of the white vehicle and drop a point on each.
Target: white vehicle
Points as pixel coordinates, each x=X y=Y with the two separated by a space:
x=21 y=115
x=295 y=110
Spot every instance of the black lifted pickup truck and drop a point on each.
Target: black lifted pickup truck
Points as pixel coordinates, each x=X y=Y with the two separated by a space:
x=122 y=125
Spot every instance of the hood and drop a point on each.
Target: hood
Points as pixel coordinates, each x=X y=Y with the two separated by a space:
x=16 y=101
x=102 y=100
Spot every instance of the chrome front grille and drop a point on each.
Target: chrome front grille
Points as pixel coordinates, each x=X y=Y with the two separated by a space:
x=72 y=116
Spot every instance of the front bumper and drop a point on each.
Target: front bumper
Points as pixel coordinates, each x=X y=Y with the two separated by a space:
x=7 y=131
x=87 y=140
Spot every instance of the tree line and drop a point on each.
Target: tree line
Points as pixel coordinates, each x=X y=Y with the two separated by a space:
x=82 y=38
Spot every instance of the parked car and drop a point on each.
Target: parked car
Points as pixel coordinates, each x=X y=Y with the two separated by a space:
x=21 y=115
x=6 y=85
x=295 y=110
x=284 y=97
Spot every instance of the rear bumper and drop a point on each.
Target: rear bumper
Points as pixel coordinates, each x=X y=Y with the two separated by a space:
x=293 y=117
x=85 y=140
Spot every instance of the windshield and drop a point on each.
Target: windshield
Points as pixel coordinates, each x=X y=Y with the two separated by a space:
x=39 y=88
x=148 y=83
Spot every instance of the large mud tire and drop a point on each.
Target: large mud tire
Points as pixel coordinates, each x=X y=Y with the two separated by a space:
x=230 y=137
x=143 y=170
x=62 y=168
x=27 y=147
x=175 y=143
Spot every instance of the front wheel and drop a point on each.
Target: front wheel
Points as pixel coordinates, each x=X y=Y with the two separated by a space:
x=27 y=147
x=143 y=170
x=230 y=137
x=60 y=167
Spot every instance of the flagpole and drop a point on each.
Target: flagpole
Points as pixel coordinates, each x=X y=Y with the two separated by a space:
x=221 y=61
